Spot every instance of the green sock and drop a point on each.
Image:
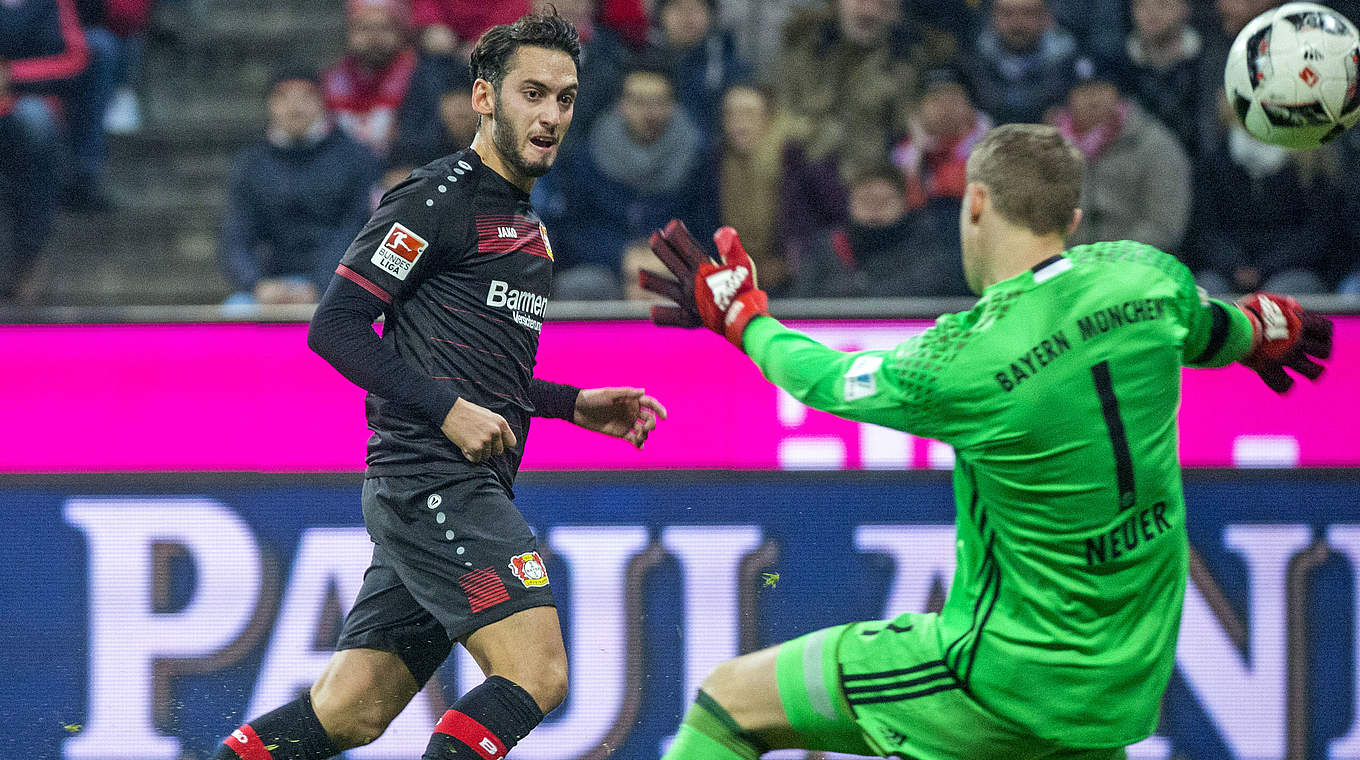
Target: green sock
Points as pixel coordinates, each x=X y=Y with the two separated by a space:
x=709 y=732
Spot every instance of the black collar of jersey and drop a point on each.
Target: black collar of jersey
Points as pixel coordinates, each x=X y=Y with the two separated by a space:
x=472 y=157
x=1055 y=258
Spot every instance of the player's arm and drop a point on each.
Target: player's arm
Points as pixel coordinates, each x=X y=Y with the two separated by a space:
x=627 y=413
x=857 y=385
x=1264 y=331
x=386 y=261
x=723 y=296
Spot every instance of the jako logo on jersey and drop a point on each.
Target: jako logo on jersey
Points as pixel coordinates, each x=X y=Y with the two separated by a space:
x=240 y=736
x=1272 y=318
x=506 y=232
x=489 y=747
x=399 y=251
x=529 y=569
x=724 y=285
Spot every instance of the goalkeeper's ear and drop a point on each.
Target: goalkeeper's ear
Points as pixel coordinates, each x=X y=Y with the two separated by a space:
x=731 y=251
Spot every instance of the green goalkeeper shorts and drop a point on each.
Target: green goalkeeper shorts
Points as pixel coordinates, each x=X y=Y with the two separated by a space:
x=882 y=688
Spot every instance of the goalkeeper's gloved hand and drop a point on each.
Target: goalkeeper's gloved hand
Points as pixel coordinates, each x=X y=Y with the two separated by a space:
x=721 y=296
x=1284 y=335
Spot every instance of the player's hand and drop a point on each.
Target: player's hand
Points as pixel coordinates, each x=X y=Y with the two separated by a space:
x=1284 y=335
x=627 y=413
x=724 y=294
x=477 y=431
x=681 y=254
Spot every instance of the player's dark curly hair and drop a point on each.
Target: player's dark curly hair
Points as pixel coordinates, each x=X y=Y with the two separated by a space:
x=491 y=57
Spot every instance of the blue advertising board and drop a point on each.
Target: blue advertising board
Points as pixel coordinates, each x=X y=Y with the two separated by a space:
x=149 y=615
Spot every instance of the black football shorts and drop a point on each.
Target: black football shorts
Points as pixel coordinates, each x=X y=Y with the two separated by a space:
x=451 y=554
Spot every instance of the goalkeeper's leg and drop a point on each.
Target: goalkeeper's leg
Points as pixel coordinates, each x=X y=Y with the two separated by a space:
x=776 y=698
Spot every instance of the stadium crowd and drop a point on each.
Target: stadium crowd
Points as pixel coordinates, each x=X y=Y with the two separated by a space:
x=831 y=133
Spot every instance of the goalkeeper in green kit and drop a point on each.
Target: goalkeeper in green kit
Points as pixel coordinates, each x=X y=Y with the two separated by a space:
x=1058 y=391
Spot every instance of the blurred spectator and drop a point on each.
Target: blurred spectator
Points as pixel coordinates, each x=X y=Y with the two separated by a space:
x=885 y=251
x=639 y=256
x=297 y=199
x=30 y=143
x=448 y=130
x=130 y=21
x=42 y=51
x=1022 y=61
x=1348 y=258
x=365 y=89
x=702 y=55
x=627 y=18
x=451 y=27
x=1137 y=180
x=848 y=78
x=933 y=155
x=1232 y=16
x=643 y=164
x=748 y=165
x=91 y=94
x=757 y=26
x=1164 y=53
x=1100 y=26
x=1266 y=216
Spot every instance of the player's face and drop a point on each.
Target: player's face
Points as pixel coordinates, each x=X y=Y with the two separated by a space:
x=533 y=109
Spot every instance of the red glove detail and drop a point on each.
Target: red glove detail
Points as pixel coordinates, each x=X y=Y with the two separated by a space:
x=721 y=296
x=726 y=293
x=1284 y=335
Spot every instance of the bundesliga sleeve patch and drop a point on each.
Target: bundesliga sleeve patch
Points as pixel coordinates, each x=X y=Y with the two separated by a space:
x=859 y=379
x=400 y=250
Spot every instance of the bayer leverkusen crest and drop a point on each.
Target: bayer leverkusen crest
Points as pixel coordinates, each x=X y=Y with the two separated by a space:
x=529 y=569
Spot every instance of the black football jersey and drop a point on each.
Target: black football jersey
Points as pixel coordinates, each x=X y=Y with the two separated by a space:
x=465 y=266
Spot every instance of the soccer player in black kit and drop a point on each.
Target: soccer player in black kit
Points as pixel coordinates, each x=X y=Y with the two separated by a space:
x=459 y=263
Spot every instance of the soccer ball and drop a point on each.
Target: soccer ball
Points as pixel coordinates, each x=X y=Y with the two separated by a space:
x=1291 y=76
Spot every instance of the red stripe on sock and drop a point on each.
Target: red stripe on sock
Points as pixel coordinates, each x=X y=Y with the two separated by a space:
x=471 y=733
x=250 y=747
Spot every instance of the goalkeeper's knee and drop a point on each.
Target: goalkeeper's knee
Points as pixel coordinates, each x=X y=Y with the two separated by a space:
x=708 y=731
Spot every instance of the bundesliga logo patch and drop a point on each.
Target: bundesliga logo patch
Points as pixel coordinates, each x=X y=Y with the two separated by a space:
x=399 y=251
x=529 y=569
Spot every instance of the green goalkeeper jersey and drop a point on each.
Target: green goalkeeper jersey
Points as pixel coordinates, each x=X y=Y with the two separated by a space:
x=1058 y=392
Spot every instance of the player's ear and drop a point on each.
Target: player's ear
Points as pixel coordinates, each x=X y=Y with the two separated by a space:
x=483 y=97
x=1076 y=220
x=977 y=201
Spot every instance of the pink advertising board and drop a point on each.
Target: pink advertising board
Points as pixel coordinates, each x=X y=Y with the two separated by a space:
x=237 y=397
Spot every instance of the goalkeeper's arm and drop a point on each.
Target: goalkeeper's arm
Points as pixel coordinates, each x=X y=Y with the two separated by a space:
x=854 y=385
x=1265 y=332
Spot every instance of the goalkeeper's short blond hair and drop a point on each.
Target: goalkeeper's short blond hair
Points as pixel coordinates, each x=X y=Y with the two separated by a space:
x=1034 y=175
